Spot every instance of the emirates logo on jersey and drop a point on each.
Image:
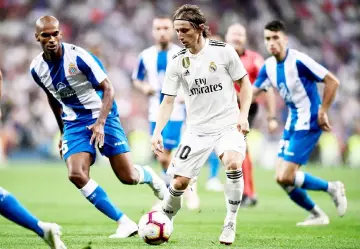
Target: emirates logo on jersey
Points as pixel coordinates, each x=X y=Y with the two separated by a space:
x=201 y=87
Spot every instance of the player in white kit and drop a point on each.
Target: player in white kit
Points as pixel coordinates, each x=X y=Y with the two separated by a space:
x=148 y=77
x=205 y=70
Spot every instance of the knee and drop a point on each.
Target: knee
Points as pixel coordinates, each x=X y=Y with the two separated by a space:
x=233 y=164
x=78 y=177
x=285 y=179
x=180 y=182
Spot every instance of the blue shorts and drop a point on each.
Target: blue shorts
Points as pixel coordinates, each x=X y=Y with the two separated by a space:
x=171 y=133
x=296 y=146
x=76 y=139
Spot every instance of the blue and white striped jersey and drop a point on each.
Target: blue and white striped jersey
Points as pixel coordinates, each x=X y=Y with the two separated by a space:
x=152 y=67
x=295 y=78
x=73 y=81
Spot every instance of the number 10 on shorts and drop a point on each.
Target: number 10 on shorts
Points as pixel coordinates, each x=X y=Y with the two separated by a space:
x=183 y=152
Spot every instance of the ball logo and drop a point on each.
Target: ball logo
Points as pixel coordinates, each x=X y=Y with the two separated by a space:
x=186 y=62
x=72 y=69
x=212 y=67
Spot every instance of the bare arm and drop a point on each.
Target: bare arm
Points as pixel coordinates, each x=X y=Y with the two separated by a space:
x=245 y=95
x=144 y=87
x=331 y=85
x=107 y=101
x=271 y=103
x=57 y=110
x=166 y=108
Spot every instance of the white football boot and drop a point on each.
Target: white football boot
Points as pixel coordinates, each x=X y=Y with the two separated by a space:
x=227 y=236
x=214 y=184
x=52 y=235
x=315 y=220
x=157 y=185
x=339 y=197
x=127 y=228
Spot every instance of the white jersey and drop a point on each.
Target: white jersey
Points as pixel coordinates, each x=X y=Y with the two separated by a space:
x=295 y=78
x=73 y=81
x=151 y=67
x=207 y=82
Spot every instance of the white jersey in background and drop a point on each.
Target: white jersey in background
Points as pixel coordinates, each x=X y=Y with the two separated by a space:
x=207 y=80
x=152 y=67
x=295 y=78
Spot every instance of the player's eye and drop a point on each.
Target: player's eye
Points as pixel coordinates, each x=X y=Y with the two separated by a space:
x=47 y=35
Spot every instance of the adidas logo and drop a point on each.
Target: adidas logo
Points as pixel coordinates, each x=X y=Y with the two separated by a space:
x=187 y=73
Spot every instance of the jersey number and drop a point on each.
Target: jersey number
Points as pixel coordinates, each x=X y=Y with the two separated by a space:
x=185 y=151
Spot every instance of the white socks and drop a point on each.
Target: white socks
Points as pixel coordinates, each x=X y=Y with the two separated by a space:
x=172 y=202
x=234 y=187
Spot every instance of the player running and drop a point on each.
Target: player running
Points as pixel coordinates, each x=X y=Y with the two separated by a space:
x=294 y=75
x=236 y=36
x=82 y=99
x=148 y=77
x=205 y=69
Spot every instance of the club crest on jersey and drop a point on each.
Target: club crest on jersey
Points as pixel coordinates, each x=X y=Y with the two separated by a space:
x=186 y=62
x=212 y=67
x=72 y=69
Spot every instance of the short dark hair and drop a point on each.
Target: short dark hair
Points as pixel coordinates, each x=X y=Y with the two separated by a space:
x=194 y=15
x=276 y=25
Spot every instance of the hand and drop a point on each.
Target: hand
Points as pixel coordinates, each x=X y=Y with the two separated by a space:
x=148 y=90
x=98 y=134
x=243 y=124
x=157 y=145
x=60 y=147
x=323 y=120
x=272 y=125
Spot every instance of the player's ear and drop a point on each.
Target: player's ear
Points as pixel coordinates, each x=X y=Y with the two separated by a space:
x=37 y=37
x=202 y=27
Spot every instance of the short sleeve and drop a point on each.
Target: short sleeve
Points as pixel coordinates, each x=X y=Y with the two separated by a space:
x=235 y=67
x=172 y=79
x=139 y=72
x=91 y=67
x=308 y=67
x=262 y=81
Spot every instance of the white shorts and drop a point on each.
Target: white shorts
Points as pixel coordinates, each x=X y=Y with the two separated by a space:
x=194 y=150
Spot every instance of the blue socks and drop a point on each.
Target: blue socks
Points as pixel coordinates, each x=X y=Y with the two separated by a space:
x=214 y=165
x=97 y=196
x=307 y=181
x=300 y=197
x=12 y=209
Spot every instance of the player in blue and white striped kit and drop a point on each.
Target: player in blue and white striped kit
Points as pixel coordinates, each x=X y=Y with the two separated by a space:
x=82 y=99
x=148 y=77
x=294 y=75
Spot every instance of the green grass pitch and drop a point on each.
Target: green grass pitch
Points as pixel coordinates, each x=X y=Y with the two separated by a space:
x=47 y=193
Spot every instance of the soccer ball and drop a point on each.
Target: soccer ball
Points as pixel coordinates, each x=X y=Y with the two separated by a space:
x=155 y=228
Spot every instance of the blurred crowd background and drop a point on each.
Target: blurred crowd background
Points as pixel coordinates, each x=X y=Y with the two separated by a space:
x=116 y=31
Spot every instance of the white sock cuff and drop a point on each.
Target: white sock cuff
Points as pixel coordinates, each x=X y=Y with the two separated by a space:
x=174 y=192
x=299 y=178
x=140 y=169
x=234 y=174
x=89 y=188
